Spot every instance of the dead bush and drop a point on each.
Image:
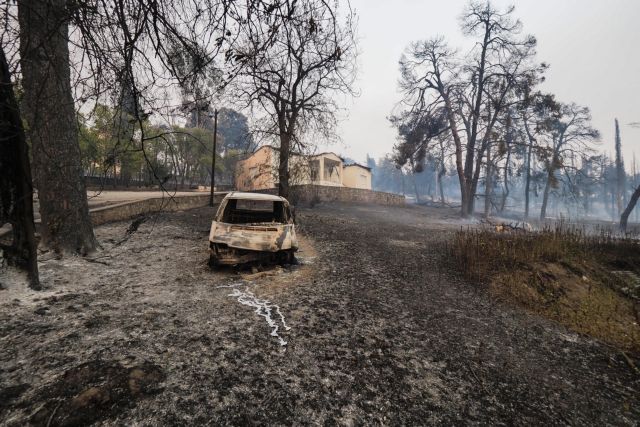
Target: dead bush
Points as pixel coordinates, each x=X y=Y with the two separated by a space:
x=588 y=282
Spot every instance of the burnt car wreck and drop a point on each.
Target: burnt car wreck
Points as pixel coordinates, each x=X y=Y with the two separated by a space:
x=251 y=227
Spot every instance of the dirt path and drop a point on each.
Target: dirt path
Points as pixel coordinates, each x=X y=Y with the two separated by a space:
x=379 y=334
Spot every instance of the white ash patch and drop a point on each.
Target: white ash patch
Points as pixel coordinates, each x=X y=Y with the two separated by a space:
x=56 y=277
x=263 y=308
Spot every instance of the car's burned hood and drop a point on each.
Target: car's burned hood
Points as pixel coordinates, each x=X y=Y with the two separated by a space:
x=268 y=237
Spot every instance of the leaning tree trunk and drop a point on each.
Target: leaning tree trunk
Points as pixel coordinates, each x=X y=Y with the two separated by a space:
x=16 y=190
x=632 y=204
x=52 y=126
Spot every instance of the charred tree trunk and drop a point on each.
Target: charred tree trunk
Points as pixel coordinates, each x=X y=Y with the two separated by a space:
x=488 y=184
x=603 y=193
x=415 y=184
x=441 y=174
x=632 y=204
x=16 y=189
x=283 y=167
x=527 y=184
x=620 y=173
x=473 y=185
x=50 y=114
x=415 y=188
x=505 y=194
x=471 y=179
x=468 y=200
x=635 y=182
x=287 y=127
x=464 y=195
x=545 y=197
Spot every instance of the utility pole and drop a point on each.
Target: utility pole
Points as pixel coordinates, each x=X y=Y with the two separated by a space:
x=213 y=157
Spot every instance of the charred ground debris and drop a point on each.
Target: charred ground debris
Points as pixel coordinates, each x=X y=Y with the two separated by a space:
x=377 y=330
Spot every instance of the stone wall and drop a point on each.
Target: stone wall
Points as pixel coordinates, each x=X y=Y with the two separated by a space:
x=128 y=210
x=321 y=193
x=301 y=194
x=310 y=194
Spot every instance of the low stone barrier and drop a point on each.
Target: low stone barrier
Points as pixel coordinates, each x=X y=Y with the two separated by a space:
x=305 y=194
x=127 y=210
x=311 y=193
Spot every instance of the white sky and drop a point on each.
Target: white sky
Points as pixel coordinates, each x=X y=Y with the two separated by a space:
x=593 y=47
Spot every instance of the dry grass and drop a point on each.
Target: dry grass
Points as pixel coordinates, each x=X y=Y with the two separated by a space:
x=562 y=273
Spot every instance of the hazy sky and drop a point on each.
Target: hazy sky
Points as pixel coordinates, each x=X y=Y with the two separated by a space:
x=593 y=47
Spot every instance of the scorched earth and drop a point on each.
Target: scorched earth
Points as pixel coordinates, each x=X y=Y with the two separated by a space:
x=368 y=329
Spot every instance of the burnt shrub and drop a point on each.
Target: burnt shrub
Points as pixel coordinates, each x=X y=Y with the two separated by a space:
x=590 y=282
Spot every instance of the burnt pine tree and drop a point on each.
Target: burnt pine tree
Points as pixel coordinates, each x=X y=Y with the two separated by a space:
x=420 y=135
x=52 y=127
x=16 y=190
x=291 y=62
x=474 y=90
x=620 y=174
x=571 y=133
x=537 y=113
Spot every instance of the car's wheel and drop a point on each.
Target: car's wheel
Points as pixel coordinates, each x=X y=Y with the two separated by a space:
x=213 y=262
x=287 y=258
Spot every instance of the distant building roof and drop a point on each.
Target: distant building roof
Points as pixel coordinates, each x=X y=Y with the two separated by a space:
x=358 y=165
x=327 y=152
x=299 y=154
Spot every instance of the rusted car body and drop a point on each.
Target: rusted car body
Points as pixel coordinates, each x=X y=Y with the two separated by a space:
x=251 y=227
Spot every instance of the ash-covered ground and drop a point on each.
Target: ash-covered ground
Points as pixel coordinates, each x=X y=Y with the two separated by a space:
x=376 y=332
